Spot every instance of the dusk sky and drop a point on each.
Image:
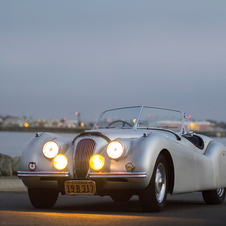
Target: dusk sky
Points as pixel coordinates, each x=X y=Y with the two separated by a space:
x=59 y=57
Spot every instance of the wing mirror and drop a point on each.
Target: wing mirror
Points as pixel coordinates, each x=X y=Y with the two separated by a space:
x=188 y=133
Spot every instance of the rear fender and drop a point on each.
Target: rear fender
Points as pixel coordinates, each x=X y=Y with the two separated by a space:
x=217 y=153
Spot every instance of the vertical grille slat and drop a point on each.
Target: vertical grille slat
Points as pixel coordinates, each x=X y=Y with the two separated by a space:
x=83 y=152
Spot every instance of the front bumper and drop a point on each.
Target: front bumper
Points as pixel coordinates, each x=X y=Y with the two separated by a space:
x=91 y=175
x=42 y=174
x=117 y=175
x=105 y=180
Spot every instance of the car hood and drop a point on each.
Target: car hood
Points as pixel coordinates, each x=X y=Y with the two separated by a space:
x=113 y=134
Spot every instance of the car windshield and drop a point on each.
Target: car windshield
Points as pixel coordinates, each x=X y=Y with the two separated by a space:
x=149 y=117
x=118 y=118
x=160 y=118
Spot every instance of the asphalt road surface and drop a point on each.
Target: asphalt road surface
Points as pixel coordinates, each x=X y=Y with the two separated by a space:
x=190 y=209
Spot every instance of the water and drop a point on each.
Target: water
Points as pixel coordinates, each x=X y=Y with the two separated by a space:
x=220 y=140
x=13 y=143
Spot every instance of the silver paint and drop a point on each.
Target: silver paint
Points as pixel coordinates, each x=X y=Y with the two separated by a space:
x=194 y=169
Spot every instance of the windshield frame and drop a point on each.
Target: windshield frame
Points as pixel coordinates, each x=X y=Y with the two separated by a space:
x=162 y=128
x=135 y=126
x=122 y=108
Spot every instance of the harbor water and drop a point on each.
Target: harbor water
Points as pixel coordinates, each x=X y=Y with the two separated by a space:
x=13 y=143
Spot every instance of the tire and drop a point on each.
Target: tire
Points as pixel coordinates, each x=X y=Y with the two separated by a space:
x=43 y=198
x=214 y=197
x=121 y=197
x=153 y=197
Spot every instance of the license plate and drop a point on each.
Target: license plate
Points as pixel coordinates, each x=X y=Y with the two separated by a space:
x=73 y=187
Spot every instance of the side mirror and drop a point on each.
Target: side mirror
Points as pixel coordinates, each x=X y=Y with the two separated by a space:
x=188 y=133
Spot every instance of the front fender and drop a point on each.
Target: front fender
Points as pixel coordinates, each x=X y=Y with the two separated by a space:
x=147 y=152
x=142 y=152
x=33 y=152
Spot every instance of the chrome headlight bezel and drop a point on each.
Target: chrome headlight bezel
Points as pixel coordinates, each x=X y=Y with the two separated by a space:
x=50 y=149
x=115 y=150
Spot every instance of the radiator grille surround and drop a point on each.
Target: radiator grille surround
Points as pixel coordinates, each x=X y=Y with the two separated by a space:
x=84 y=150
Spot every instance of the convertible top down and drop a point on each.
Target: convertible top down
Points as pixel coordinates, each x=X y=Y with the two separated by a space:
x=140 y=150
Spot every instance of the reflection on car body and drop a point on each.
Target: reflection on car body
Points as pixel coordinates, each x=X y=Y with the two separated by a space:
x=144 y=151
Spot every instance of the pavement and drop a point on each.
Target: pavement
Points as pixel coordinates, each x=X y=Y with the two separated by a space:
x=13 y=183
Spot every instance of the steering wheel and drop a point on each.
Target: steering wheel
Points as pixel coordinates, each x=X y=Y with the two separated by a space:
x=123 y=123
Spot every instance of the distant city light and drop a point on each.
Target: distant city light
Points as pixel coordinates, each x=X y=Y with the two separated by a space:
x=26 y=124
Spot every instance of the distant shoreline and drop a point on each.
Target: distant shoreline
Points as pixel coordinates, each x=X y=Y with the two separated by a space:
x=209 y=133
x=45 y=129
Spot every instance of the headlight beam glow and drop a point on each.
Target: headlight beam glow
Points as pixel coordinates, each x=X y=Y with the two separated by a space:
x=50 y=149
x=96 y=162
x=115 y=150
x=60 y=162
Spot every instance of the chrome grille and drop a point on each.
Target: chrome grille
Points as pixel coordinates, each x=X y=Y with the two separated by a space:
x=83 y=152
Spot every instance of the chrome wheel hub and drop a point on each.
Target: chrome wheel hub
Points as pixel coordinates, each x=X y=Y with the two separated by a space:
x=160 y=183
x=220 y=192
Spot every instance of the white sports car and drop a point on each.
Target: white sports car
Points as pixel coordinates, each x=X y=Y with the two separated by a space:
x=144 y=151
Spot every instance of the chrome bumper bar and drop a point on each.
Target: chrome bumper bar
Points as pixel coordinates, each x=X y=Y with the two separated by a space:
x=118 y=175
x=42 y=174
x=91 y=175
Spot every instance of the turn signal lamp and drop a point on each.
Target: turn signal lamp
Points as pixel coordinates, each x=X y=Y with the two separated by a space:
x=60 y=162
x=96 y=162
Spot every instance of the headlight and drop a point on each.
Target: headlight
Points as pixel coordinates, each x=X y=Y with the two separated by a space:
x=50 y=149
x=96 y=162
x=115 y=150
x=60 y=162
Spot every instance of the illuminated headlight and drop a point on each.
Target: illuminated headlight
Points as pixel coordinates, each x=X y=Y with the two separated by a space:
x=50 y=149
x=96 y=162
x=115 y=150
x=60 y=162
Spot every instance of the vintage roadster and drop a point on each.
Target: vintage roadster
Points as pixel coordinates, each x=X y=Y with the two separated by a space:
x=144 y=151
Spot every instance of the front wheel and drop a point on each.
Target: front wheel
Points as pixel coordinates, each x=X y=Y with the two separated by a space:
x=153 y=197
x=214 y=197
x=43 y=198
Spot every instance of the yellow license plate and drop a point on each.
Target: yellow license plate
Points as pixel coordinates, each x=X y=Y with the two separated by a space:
x=73 y=187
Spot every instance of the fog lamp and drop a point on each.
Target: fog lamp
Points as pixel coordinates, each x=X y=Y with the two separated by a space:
x=96 y=162
x=60 y=162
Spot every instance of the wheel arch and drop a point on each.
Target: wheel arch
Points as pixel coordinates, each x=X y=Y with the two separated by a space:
x=170 y=169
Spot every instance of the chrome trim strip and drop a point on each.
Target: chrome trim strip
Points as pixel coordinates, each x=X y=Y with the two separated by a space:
x=118 y=175
x=42 y=174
